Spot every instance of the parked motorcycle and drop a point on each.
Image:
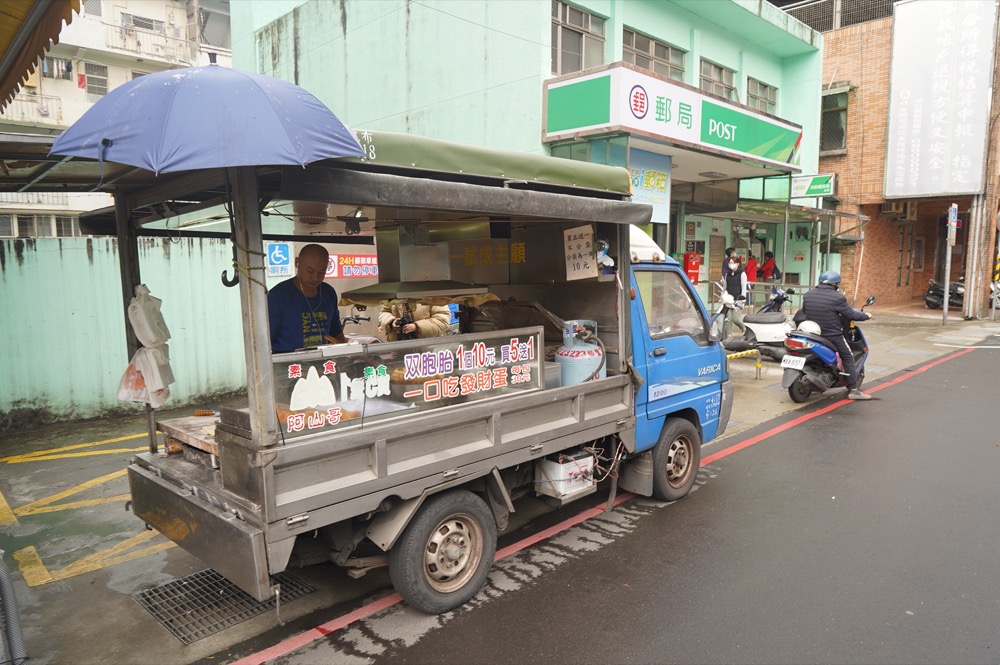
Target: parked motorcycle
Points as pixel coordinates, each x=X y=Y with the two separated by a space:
x=812 y=364
x=769 y=325
x=934 y=298
x=766 y=328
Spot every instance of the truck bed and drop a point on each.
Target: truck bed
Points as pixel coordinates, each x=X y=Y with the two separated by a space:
x=260 y=500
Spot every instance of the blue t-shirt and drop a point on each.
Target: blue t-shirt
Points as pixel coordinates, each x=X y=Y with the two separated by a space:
x=298 y=322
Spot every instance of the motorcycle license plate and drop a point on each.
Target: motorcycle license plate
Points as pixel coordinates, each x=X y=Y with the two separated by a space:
x=793 y=362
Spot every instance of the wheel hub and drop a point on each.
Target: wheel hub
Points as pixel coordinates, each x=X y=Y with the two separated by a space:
x=452 y=554
x=677 y=461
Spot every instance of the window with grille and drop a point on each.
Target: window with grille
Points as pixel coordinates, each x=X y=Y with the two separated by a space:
x=97 y=78
x=577 y=39
x=92 y=8
x=718 y=80
x=31 y=226
x=141 y=22
x=645 y=52
x=67 y=227
x=833 y=129
x=57 y=68
x=6 y=226
x=762 y=96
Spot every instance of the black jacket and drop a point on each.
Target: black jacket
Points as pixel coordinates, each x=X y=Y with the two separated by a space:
x=829 y=309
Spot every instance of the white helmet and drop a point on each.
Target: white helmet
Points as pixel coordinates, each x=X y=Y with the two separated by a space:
x=810 y=327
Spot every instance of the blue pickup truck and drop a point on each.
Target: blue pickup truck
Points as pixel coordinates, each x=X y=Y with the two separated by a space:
x=580 y=354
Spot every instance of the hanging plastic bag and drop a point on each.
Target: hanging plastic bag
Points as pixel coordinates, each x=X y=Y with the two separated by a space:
x=133 y=386
x=147 y=322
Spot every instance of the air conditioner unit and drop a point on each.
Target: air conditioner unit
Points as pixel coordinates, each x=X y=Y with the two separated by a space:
x=910 y=211
x=893 y=207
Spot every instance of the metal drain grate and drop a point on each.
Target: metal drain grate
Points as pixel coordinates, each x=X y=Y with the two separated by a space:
x=204 y=603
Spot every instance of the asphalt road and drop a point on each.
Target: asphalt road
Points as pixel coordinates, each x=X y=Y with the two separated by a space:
x=862 y=533
x=808 y=546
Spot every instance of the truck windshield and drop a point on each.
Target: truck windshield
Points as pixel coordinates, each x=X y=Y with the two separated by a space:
x=670 y=306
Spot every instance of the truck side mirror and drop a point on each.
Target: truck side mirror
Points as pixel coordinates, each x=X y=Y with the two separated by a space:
x=715 y=328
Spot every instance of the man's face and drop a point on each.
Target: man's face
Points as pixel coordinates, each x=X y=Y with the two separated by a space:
x=311 y=269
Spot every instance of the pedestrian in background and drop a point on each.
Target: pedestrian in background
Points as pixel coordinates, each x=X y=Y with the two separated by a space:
x=767 y=268
x=736 y=286
x=730 y=251
x=751 y=271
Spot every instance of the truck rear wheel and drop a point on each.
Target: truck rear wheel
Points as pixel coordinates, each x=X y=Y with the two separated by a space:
x=444 y=555
x=676 y=459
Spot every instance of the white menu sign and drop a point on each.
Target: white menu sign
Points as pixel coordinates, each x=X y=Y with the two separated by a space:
x=578 y=245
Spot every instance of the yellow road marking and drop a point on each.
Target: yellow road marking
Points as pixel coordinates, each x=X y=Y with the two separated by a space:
x=6 y=514
x=36 y=573
x=24 y=510
x=22 y=460
x=76 y=446
x=29 y=508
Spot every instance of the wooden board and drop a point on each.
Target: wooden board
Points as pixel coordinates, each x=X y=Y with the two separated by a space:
x=191 y=431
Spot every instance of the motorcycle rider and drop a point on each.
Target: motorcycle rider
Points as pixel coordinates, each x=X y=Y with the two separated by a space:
x=828 y=308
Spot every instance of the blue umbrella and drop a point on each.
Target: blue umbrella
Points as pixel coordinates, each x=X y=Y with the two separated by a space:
x=208 y=117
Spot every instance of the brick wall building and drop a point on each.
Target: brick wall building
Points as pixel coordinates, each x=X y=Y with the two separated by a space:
x=904 y=244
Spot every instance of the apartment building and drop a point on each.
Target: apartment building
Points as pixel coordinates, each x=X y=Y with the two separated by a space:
x=109 y=43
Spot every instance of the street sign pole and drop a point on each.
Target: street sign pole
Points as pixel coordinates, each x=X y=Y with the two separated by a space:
x=952 y=223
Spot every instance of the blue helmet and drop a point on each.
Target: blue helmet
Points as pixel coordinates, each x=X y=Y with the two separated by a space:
x=830 y=277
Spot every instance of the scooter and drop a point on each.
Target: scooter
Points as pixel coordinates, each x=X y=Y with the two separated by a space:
x=812 y=364
x=934 y=298
x=769 y=325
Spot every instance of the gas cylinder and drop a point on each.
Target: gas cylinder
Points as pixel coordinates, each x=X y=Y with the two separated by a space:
x=578 y=358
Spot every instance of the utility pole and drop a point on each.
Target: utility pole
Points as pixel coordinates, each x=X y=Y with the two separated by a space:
x=952 y=224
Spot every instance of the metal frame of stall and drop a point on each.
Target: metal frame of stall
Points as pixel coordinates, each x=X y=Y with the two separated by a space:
x=769 y=212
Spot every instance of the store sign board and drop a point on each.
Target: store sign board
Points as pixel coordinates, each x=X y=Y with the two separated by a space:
x=939 y=99
x=651 y=182
x=666 y=109
x=804 y=186
x=316 y=392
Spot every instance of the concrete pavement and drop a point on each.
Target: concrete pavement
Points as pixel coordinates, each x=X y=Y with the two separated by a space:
x=77 y=556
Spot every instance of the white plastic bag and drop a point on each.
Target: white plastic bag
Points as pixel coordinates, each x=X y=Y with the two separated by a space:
x=133 y=386
x=147 y=322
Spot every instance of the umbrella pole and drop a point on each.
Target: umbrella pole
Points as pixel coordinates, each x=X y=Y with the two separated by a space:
x=128 y=266
x=253 y=298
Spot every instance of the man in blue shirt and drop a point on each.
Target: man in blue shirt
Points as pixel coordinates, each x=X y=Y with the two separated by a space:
x=303 y=310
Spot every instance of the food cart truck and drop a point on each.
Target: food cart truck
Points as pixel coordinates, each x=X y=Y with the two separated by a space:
x=581 y=356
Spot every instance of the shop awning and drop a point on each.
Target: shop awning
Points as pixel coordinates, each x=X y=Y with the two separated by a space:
x=769 y=212
x=27 y=28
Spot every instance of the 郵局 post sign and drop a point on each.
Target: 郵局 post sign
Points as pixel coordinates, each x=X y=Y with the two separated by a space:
x=316 y=392
x=622 y=98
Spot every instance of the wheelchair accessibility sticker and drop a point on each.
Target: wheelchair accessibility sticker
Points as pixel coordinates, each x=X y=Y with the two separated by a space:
x=279 y=259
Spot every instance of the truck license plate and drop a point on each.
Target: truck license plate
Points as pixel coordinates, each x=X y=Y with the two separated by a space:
x=793 y=362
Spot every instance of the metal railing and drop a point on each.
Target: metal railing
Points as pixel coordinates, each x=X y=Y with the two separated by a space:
x=826 y=15
x=44 y=198
x=151 y=43
x=35 y=109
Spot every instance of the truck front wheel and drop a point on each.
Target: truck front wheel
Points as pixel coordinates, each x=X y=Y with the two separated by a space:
x=676 y=459
x=444 y=555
